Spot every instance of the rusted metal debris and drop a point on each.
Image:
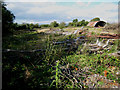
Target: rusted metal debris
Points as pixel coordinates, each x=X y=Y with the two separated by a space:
x=109 y=36
x=104 y=35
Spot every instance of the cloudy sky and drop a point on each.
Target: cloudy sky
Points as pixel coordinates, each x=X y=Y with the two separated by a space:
x=56 y=10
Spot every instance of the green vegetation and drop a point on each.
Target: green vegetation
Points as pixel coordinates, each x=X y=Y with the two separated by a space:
x=95 y=19
x=42 y=69
x=54 y=24
x=62 y=25
x=75 y=23
x=37 y=61
x=7 y=20
x=36 y=64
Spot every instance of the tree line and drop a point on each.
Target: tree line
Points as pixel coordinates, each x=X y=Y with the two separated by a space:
x=53 y=24
x=61 y=25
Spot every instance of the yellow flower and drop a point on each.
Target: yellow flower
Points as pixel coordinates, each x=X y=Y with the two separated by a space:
x=104 y=57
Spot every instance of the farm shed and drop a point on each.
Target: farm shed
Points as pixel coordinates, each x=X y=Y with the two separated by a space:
x=97 y=24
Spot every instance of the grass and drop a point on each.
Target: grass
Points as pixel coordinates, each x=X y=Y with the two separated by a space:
x=26 y=41
x=40 y=69
x=97 y=63
x=70 y=29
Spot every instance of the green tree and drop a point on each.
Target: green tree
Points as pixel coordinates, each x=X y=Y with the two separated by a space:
x=44 y=25
x=70 y=24
x=62 y=25
x=79 y=23
x=23 y=25
x=54 y=24
x=95 y=19
x=15 y=26
x=36 y=25
x=83 y=23
x=7 y=20
x=31 y=26
x=75 y=22
x=86 y=23
x=27 y=26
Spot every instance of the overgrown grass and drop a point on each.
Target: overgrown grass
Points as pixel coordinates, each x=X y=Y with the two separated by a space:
x=33 y=70
x=30 y=40
x=42 y=69
x=97 y=63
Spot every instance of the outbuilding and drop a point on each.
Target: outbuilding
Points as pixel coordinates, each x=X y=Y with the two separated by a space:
x=96 y=24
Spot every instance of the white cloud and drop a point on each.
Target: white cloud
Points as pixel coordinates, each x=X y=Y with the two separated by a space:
x=69 y=17
x=11 y=5
x=103 y=10
x=47 y=9
x=83 y=4
x=106 y=11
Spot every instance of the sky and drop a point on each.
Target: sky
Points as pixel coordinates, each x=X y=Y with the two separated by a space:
x=37 y=11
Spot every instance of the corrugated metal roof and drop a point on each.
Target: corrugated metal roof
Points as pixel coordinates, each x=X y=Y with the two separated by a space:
x=96 y=24
x=92 y=24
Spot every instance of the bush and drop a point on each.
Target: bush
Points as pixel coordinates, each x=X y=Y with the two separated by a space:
x=7 y=21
